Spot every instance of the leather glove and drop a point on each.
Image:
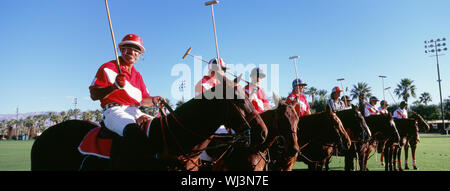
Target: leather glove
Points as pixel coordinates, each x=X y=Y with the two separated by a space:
x=120 y=81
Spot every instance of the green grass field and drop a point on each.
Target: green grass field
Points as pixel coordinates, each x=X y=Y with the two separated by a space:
x=433 y=154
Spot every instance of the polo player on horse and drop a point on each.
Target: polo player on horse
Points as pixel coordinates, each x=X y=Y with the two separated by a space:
x=121 y=93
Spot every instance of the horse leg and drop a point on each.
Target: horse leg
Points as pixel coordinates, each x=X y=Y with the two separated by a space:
x=399 y=156
x=406 y=156
x=327 y=162
x=413 y=152
x=394 y=157
x=388 y=166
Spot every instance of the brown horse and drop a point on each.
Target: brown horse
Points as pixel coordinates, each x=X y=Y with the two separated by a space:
x=318 y=135
x=384 y=136
x=356 y=127
x=423 y=127
x=409 y=133
x=174 y=142
x=282 y=127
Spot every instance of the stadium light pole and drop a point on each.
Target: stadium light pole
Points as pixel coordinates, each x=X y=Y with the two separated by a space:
x=182 y=86
x=434 y=47
x=382 y=82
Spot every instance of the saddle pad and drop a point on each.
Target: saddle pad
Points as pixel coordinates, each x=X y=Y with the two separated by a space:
x=94 y=145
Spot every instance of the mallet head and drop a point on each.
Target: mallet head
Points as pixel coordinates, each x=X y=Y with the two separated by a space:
x=187 y=52
x=340 y=79
x=293 y=57
x=211 y=2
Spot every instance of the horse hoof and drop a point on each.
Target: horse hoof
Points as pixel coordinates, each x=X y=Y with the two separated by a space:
x=400 y=169
x=406 y=168
x=382 y=164
x=415 y=168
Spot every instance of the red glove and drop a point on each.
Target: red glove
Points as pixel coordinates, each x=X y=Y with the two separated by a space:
x=120 y=81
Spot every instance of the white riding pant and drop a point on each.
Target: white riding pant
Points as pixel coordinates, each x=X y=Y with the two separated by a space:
x=117 y=117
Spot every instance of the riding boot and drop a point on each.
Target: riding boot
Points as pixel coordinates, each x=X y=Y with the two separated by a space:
x=134 y=152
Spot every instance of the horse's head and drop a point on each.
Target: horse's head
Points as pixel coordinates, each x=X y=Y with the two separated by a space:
x=287 y=121
x=323 y=128
x=422 y=124
x=383 y=125
x=238 y=112
x=353 y=120
x=336 y=124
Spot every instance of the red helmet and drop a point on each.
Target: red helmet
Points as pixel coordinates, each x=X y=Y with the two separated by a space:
x=134 y=40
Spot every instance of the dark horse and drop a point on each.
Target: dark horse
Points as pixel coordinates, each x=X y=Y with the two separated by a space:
x=282 y=125
x=318 y=135
x=423 y=127
x=174 y=142
x=359 y=133
x=384 y=136
x=409 y=132
x=409 y=137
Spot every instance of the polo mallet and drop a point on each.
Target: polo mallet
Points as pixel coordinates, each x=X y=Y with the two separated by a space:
x=295 y=65
x=211 y=3
x=340 y=80
x=393 y=99
x=240 y=76
x=187 y=53
x=112 y=35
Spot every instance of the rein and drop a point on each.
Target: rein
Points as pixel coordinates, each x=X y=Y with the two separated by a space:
x=186 y=155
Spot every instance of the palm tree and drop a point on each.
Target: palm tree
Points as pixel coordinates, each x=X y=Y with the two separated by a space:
x=64 y=116
x=98 y=115
x=312 y=91
x=87 y=115
x=69 y=113
x=424 y=98
x=361 y=91
x=11 y=124
x=405 y=89
x=76 y=112
x=322 y=94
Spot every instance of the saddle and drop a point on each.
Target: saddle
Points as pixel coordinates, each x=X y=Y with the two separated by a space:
x=98 y=141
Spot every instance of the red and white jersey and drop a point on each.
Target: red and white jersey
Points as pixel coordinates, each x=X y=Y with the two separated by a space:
x=132 y=93
x=301 y=104
x=206 y=83
x=370 y=110
x=385 y=111
x=400 y=114
x=258 y=98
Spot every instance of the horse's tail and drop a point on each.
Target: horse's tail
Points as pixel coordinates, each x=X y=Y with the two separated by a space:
x=57 y=147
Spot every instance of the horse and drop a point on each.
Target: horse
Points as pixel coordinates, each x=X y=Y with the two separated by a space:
x=173 y=143
x=409 y=133
x=282 y=127
x=359 y=133
x=384 y=135
x=318 y=135
x=423 y=127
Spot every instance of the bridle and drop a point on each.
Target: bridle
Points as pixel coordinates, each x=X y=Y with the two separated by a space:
x=188 y=156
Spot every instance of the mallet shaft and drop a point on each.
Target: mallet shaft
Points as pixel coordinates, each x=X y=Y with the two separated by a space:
x=112 y=35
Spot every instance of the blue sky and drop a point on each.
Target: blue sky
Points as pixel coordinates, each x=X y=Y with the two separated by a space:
x=52 y=49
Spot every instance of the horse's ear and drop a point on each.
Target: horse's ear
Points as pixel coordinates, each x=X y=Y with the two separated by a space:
x=276 y=98
x=354 y=107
